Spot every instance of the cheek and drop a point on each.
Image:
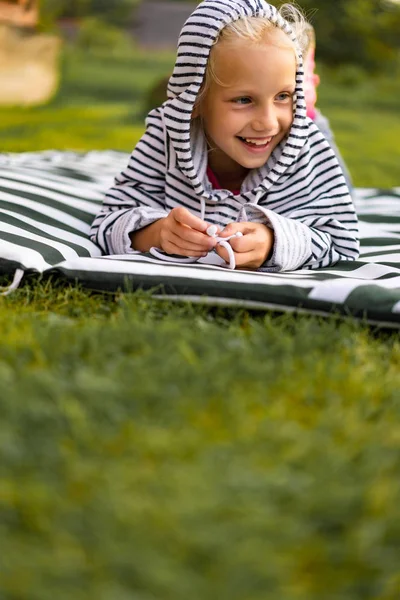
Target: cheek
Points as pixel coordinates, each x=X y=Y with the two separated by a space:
x=212 y=118
x=223 y=121
x=234 y=119
x=287 y=117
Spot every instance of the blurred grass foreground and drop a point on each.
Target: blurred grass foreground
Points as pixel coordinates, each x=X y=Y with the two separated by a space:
x=151 y=451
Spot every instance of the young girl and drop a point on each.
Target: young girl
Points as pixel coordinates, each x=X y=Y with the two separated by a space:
x=233 y=147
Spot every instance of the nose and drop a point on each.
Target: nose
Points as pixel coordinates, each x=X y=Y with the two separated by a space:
x=266 y=119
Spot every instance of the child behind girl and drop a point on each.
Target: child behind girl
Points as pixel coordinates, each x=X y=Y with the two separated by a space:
x=233 y=147
x=311 y=82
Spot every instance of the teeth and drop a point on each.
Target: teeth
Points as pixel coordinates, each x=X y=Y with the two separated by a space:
x=257 y=142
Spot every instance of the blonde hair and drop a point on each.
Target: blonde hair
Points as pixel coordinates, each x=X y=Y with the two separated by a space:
x=256 y=30
x=309 y=33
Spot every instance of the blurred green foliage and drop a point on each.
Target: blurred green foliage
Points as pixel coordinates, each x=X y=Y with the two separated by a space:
x=156 y=95
x=115 y=12
x=165 y=452
x=361 y=32
x=97 y=37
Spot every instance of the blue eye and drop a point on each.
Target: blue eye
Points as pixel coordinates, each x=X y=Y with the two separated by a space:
x=242 y=100
x=283 y=96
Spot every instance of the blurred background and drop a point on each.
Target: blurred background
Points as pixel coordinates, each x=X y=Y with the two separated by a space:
x=82 y=75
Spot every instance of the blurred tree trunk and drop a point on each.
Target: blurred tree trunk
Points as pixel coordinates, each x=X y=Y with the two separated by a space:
x=28 y=67
x=21 y=13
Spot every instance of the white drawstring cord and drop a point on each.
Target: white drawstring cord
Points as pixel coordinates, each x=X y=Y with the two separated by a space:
x=189 y=259
x=224 y=242
x=178 y=259
x=202 y=208
x=18 y=275
x=212 y=232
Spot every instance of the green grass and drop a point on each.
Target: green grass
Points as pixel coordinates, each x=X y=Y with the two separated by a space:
x=87 y=77
x=377 y=164
x=81 y=127
x=151 y=451
x=166 y=452
x=366 y=121
x=98 y=105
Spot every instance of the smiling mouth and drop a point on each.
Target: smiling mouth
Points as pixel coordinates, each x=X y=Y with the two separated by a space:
x=260 y=143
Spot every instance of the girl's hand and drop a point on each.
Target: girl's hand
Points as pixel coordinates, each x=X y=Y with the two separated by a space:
x=251 y=250
x=180 y=233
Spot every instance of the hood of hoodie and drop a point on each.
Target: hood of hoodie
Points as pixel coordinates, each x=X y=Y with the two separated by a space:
x=197 y=37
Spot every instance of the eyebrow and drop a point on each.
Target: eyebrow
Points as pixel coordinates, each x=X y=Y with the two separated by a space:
x=240 y=92
x=285 y=86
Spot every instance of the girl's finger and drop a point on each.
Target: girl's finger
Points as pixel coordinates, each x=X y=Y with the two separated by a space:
x=171 y=248
x=220 y=250
x=183 y=216
x=247 y=260
x=242 y=244
x=181 y=242
x=243 y=260
x=233 y=228
x=192 y=236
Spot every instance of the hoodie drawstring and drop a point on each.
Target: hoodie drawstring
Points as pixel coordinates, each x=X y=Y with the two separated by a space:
x=202 y=208
x=212 y=232
x=18 y=275
x=224 y=242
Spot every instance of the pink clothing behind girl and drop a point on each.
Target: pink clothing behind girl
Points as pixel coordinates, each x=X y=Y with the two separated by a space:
x=311 y=81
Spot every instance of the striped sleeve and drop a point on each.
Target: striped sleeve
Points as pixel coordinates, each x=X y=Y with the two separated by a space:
x=137 y=197
x=312 y=213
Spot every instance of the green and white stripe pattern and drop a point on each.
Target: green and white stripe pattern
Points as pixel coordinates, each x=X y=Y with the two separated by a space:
x=49 y=199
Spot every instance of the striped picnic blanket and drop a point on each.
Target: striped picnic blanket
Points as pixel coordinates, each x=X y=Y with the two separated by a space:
x=48 y=200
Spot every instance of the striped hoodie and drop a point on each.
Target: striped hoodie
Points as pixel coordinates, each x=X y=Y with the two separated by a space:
x=300 y=192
